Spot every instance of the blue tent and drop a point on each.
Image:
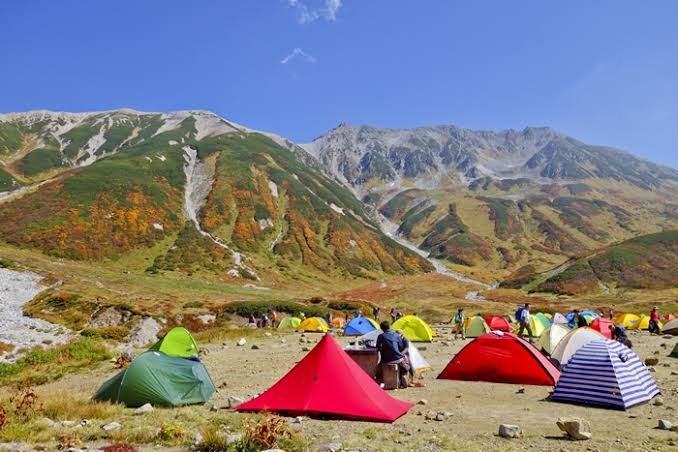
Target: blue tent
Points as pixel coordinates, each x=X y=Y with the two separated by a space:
x=588 y=315
x=359 y=326
x=605 y=373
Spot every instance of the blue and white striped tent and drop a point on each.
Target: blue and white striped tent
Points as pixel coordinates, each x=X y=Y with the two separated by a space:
x=607 y=374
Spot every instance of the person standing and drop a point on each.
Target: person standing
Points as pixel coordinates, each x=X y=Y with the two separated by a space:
x=610 y=313
x=375 y=313
x=523 y=317
x=394 y=315
x=459 y=320
x=654 y=321
x=581 y=320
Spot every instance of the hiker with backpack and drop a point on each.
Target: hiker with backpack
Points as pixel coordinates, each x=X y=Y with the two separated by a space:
x=523 y=317
x=459 y=319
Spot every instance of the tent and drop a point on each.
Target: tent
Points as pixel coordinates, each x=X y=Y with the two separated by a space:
x=602 y=325
x=544 y=318
x=475 y=326
x=358 y=327
x=573 y=341
x=644 y=323
x=548 y=315
x=538 y=324
x=289 y=323
x=559 y=319
x=552 y=336
x=667 y=317
x=674 y=352
x=177 y=342
x=501 y=358
x=497 y=323
x=414 y=328
x=418 y=362
x=314 y=325
x=628 y=321
x=338 y=322
x=158 y=379
x=671 y=327
x=327 y=382
x=605 y=373
x=590 y=316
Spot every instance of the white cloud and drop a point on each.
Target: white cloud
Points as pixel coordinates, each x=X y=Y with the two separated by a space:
x=306 y=14
x=297 y=52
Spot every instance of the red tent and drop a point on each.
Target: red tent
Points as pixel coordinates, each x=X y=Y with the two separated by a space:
x=328 y=382
x=603 y=325
x=501 y=358
x=497 y=323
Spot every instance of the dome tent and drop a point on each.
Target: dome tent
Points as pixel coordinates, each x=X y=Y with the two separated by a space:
x=644 y=323
x=501 y=358
x=475 y=326
x=602 y=325
x=177 y=342
x=414 y=328
x=327 y=382
x=552 y=336
x=289 y=323
x=572 y=342
x=313 y=325
x=497 y=323
x=158 y=379
x=359 y=326
x=538 y=324
x=628 y=321
x=605 y=373
x=671 y=327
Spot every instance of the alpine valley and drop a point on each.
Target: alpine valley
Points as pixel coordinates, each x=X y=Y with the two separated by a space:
x=186 y=212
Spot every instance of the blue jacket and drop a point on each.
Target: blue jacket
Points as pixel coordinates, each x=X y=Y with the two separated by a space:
x=390 y=346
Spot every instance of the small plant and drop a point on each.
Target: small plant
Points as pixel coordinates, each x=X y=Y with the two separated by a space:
x=122 y=447
x=171 y=433
x=25 y=401
x=123 y=360
x=266 y=433
x=68 y=441
x=3 y=417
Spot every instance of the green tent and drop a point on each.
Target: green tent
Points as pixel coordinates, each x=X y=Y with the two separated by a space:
x=178 y=342
x=158 y=379
x=674 y=353
x=289 y=323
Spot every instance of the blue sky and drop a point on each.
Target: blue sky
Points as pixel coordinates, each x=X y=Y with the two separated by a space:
x=605 y=72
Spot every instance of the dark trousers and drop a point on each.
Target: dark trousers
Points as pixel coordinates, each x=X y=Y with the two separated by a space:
x=525 y=326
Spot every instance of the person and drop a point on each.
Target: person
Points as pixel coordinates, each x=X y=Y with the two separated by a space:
x=264 y=321
x=523 y=317
x=274 y=318
x=459 y=319
x=579 y=320
x=251 y=320
x=357 y=314
x=394 y=315
x=654 y=321
x=618 y=334
x=610 y=313
x=406 y=352
x=399 y=315
x=391 y=347
x=375 y=313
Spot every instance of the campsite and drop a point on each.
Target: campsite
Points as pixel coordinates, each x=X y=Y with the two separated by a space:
x=445 y=414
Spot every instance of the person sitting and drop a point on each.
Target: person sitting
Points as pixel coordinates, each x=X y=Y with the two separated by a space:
x=391 y=348
x=654 y=321
x=618 y=333
x=408 y=357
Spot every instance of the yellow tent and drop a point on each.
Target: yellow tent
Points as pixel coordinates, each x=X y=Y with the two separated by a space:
x=628 y=321
x=644 y=323
x=414 y=328
x=374 y=323
x=475 y=326
x=538 y=324
x=313 y=324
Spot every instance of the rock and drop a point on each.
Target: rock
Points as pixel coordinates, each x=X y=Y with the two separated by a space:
x=220 y=404
x=112 y=427
x=444 y=343
x=85 y=422
x=267 y=334
x=47 y=422
x=64 y=424
x=206 y=319
x=106 y=318
x=674 y=372
x=233 y=438
x=305 y=349
x=303 y=340
x=198 y=438
x=283 y=341
x=667 y=336
x=651 y=361
x=574 y=428
x=422 y=402
x=234 y=401
x=273 y=450
x=143 y=409
x=255 y=347
x=663 y=424
x=298 y=420
x=520 y=391
x=510 y=431
x=440 y=417
x=144 y=333
x=651 y=369
x=658 y=401
x=331 y=447
x=674 y=428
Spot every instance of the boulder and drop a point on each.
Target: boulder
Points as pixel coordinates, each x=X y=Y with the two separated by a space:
x=233 y=438
x=651 y=361
x=510 y=431
x=111 y=427
x=422 y=402
x=658 y=401
x=220 y=404
x=206 y=319
x=331 y=447
x=520 y=391
x=106 y=318
x=242 y=341
x=663 y=424
x=255 y=347
x=575 y=428
x=143 y=409
x=234 y=401
x=144 y=333
x=267 y=334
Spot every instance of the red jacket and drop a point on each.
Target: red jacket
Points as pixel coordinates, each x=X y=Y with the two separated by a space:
x=654 y=315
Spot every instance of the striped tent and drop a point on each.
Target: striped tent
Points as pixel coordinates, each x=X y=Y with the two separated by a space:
x=605 y=373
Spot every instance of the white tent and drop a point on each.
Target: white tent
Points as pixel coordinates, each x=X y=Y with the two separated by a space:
x=552 y=336
x=559 y=319
x=573 y=341
x=417 y=360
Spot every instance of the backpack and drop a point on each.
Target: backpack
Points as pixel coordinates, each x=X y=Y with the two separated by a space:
x=519 y=313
